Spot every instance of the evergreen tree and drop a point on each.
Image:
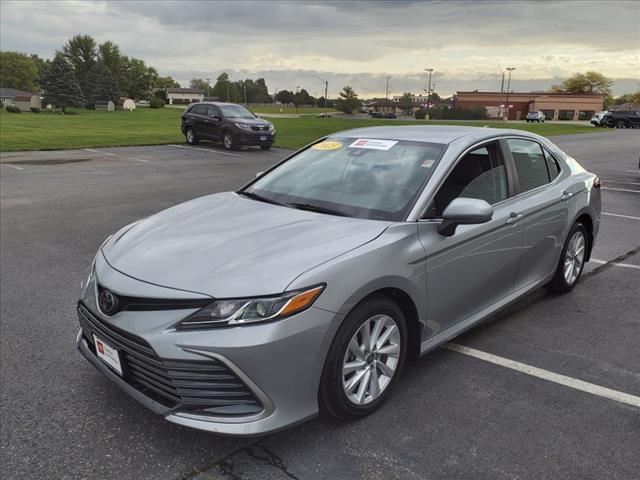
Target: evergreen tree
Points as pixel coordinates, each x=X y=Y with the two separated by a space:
x=348 y=100
x=102 y=85
x=61 y=88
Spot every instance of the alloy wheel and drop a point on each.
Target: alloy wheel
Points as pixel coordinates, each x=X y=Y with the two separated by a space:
x=371 y=359
x=574 y=257
x=190 y=136
x=228 y=141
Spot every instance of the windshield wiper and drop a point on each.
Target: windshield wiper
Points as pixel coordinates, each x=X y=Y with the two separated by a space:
x=317 y=208
x=260 y=198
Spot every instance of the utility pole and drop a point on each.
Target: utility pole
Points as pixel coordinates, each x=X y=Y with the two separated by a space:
x=430 y=70
x=326 y=87
x=208 y=86
x=509 y=88
x=244 y=87
x=228 y=83
x=295 y=99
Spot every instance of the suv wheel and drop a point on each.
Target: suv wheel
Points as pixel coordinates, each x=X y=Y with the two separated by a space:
x=190 y=135
x=571 y=260
x=365 y=359
x=228 y=141
x=620 y=124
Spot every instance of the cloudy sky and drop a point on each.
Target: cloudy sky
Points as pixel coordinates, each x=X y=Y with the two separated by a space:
x=358 y=43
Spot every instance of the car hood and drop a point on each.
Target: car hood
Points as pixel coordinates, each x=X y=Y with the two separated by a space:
x=225 y=245
x=250 y=121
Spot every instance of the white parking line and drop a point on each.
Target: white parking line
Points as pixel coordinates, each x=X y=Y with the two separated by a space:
x=90 y=150
x=616 y=181
x=621 y=216
x=621 y=189
x=632 y=171
x=138 y=159
x=13 y=166
x=206 y=150
x=547 y=375
x=617 y=264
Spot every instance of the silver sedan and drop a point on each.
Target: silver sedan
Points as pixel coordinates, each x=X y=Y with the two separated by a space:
x=307 y=289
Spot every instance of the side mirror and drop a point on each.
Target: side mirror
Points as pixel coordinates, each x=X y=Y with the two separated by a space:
x=259 y=174
x=464 y=211
x=215 y=117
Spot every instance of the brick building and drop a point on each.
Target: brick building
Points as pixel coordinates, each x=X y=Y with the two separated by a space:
x=555 y=106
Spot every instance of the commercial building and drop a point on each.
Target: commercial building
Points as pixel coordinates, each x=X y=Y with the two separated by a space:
x=555 y=106
x=184 y=95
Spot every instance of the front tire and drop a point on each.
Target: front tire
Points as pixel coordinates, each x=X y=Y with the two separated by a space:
x=190 y=135
x=364 y=360
x=621 y=124
x=265 y=147
x=229 y=141
x=572 y=259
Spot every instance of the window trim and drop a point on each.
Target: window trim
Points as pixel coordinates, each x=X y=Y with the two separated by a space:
x=511 y=192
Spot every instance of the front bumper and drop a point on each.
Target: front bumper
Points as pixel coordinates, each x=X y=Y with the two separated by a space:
x=280 y=363
x=252 y=139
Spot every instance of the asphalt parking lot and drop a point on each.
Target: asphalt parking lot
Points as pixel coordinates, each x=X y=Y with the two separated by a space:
x=453 y=415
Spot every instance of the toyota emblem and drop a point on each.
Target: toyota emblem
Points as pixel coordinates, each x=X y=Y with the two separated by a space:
x=108 y=302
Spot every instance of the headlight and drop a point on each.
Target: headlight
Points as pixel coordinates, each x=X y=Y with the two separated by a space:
x=272 y=129
x=243 y=126
x=222 y=313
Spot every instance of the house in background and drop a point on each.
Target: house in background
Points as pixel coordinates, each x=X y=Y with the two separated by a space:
x=22 y=100
x=184 y=95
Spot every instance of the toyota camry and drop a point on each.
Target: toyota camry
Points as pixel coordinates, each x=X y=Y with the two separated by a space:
x=309 y=288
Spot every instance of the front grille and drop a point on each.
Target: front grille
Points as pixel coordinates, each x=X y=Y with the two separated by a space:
x=258 y=128
x=207 y=385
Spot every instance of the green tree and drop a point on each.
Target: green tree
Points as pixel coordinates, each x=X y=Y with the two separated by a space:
x=348 y=100
x=588 y=82
x=61 y=88
x=137 y=80
x=406 y=97
x=222 y=87
x=166 y=82
x=18 y=71
x=285 y=96
x=202 y=85
x=109 y=54
x=81 y=52
x=102 y=85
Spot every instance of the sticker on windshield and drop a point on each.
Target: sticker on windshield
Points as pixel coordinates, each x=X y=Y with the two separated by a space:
x=428 y=163
x=373 y=144
x=327 y=146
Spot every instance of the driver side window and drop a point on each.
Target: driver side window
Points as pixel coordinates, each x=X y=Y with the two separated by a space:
x=480 y=174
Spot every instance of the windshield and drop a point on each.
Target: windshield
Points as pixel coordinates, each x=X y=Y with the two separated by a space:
x=357 y=177
x=236 y=111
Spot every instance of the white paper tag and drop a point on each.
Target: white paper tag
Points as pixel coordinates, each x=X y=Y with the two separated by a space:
x=373 y=144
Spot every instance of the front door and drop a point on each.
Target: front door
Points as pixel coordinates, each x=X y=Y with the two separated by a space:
x=214 y=120
x=477 y=266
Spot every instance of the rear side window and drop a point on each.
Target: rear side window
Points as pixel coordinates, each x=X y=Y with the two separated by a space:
x=530 y=163
x=552 y=165
x=199 y=109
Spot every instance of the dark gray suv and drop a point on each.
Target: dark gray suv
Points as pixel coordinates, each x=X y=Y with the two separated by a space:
x=230 y=123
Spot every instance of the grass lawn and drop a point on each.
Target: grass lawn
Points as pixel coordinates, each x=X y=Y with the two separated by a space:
x=146 y=126
x=289 y=110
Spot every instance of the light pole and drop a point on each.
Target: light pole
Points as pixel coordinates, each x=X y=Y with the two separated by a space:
x=295 y=99
x=326 y=87
x=501 y=92
x=511 y=69
x=244 y=87
x=208 y=86
x=228 y=84
x=386 y=96
x=430 y=70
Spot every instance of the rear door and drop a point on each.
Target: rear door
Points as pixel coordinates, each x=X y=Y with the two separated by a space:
x=477 y=266
x=543 y=205
x=200 y=118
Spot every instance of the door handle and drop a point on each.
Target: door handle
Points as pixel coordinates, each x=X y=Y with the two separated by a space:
x=566 y=196
x=514 y=218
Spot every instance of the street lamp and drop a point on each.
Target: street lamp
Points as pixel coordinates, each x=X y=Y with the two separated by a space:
x=326 y=87
x=295 y=99
x=244 y=87
x=430 y=70
x=386 y=95
x=509 y=88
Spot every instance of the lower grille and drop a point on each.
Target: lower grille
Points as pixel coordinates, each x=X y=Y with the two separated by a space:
x=207 y=385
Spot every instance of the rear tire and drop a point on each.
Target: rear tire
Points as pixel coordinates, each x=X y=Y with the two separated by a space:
x=572 y=260
x=359 y=372
x=621 y=124
x=265 y=147
x=190 y=135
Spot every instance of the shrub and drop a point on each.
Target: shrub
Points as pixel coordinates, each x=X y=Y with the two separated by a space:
x=35 y=109
x=12 y=109
x=420 y=114
x=156 y=102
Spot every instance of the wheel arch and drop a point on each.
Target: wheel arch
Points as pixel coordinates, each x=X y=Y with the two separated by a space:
x=585 y=219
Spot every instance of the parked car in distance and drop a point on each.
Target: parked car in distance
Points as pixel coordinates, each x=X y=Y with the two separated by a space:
x=375 y=114
x=622 y=119
x=390 y=115
x=305 y=290
x=596 y=120
x=535 y=117
x=232 y=124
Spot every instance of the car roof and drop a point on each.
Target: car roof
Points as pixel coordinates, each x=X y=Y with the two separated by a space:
x=443 y=134
x=216 y=103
